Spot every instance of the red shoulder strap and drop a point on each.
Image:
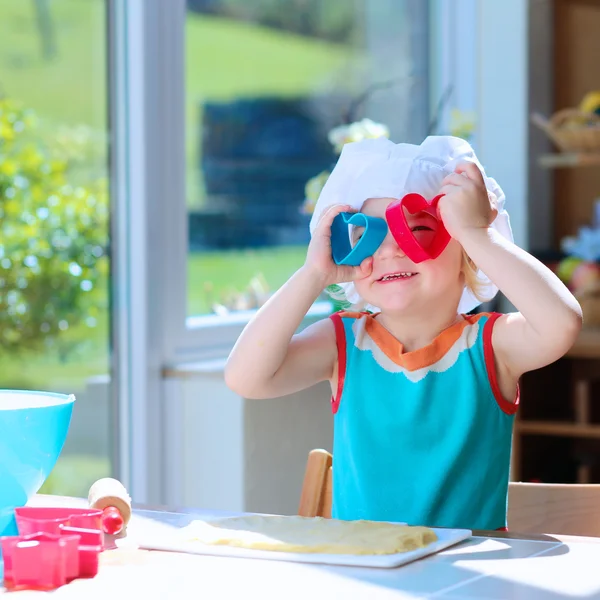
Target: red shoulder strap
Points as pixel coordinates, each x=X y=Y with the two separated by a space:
x=340 y=340
x=510 y=408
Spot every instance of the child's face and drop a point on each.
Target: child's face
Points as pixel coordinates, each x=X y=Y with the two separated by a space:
x=397 y=284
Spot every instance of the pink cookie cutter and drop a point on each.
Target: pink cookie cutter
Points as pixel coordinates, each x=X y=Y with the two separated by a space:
x=40 y=561
x=54 y=546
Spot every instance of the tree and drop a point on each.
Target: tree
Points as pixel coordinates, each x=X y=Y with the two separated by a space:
x=53 y=247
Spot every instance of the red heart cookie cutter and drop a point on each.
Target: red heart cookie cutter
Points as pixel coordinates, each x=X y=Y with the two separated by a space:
x=405 y=238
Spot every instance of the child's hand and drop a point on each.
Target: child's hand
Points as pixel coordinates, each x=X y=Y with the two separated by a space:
x=319 y=259
x=466 y=204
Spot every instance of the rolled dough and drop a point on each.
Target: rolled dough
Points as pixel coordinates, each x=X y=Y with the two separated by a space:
x=309 y=535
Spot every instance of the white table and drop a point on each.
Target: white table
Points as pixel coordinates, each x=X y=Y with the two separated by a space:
x=484 y=568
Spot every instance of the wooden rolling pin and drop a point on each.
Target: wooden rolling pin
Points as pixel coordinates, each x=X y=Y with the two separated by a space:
x=110 y=496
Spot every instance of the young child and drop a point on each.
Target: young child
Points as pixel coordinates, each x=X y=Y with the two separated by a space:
x=424 y=395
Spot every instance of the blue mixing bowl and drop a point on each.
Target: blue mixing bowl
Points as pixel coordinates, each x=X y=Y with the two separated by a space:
x=33 y=429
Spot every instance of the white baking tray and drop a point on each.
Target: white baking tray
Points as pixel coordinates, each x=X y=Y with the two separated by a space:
x=170 y=543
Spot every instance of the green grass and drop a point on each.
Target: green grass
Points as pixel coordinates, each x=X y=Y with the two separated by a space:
x=227 y=59
x=224 y=60
x=232 y=271
x=71 y=88
x=74 y=475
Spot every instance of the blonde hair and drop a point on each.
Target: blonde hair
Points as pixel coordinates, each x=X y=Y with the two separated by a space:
x=472 y=280
x=468 y=268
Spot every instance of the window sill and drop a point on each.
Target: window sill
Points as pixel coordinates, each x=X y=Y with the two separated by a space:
x=210 y=339
x=242 y=317
x=215 y=366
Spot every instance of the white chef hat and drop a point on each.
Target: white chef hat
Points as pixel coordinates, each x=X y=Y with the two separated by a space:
x=378 y=168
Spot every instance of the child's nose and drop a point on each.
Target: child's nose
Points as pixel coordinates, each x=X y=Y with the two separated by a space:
x=389 y=248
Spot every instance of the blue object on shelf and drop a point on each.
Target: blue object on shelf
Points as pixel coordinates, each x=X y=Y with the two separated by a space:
x=33 y=430
x=341 y=247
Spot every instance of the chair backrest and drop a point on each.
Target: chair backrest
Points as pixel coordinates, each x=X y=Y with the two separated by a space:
x=315 y=499
x=554 y=508
x=560 y=509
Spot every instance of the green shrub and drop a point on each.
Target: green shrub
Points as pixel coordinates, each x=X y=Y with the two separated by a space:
x=53 y=248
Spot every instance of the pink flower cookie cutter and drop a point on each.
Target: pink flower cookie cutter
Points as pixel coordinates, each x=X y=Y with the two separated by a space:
x=40 y=561
x=54 y=546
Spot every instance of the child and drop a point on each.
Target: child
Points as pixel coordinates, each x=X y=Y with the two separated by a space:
x=424 y=396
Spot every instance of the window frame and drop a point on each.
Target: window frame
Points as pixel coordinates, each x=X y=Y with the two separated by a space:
x=147 y=237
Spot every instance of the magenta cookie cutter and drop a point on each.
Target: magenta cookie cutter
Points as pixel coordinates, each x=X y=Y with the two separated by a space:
x=405 y=238
x=54 y=546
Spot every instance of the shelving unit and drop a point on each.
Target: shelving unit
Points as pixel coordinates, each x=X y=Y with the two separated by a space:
x=558 y=428
x=587 y=346
x=562 y=160
x=557 y=431
x=586 y=351
x=586 y=354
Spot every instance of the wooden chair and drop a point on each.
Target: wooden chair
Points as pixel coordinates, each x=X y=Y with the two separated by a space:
x=315 y=499
x=555 y=508
x=560 y=509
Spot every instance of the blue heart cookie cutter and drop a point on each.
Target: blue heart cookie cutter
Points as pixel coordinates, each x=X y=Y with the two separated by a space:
x=341 y=248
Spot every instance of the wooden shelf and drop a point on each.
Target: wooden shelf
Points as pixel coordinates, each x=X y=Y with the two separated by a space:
x=587 y=344
x=567 y=160
x=558 y=428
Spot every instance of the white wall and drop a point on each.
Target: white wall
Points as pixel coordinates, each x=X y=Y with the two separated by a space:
x=238 y=454
x=278 y=435
x=212 y=439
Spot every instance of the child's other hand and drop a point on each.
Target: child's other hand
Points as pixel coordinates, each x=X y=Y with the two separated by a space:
x=466 y=204
x=319 y=260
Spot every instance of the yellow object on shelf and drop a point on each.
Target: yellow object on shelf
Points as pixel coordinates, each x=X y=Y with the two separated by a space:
x=591 y=103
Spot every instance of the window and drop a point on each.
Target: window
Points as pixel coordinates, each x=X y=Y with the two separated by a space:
x=54 y=204
x=265 y=82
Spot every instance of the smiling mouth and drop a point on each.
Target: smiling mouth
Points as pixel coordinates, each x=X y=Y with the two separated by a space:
x=397 y=276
